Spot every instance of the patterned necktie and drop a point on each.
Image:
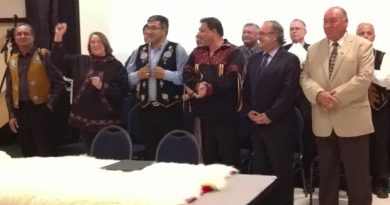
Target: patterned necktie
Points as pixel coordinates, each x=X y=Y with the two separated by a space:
x=332 y=58
x=263 y=63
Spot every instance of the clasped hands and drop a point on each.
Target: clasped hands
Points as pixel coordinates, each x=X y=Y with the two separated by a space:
x=145 y=72
x=326 y=100
x=259 y=118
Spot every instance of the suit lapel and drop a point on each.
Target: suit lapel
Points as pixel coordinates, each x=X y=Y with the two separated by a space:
x=254 y=73
x=324 y=51
x=270 y=67
x=345 y=48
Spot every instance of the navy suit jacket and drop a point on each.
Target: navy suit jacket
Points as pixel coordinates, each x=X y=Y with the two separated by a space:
x=272 y=93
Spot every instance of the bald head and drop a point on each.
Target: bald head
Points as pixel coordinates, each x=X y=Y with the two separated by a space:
x=366 y=30
x=335 y=23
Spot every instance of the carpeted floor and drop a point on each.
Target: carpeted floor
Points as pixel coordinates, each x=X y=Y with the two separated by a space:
x=300 y=199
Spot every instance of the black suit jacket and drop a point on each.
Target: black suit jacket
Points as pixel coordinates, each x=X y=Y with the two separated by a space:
x=272 y=93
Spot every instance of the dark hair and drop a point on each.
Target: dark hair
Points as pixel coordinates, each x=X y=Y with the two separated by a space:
x=144 y=28
x=164 y=23
x=25 y=24
x=104 y=40
x=213 y=23
x=278 y=30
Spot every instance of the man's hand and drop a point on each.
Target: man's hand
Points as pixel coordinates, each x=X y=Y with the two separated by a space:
x=13 y=125
x=144 y=72
x=259 y=118
x=158 y=72
x=201 y=90
x=60 y=31
x=326 y=100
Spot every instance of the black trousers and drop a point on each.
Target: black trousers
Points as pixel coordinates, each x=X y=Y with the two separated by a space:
x=273 y=150
x=379 y=140
x=35 y=129
x=220 y=141
x=353 y=152
x=156 y=121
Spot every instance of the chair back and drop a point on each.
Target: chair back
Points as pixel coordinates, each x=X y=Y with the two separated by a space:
x=299 y=129
x=112 y=142
x=178 y=146
x=298 y=153
x=134 y=126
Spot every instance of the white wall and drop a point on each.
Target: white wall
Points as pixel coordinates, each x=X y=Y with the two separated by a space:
x=122 y=20
x=10 y=7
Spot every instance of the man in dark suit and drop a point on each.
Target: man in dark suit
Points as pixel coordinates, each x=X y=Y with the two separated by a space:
x=297 y=34
x=298 y=46
x=269 y=92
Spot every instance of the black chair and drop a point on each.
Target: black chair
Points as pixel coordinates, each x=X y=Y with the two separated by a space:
x=112 y=142
x=178 y=146
x=135 y=131
x=298 y=153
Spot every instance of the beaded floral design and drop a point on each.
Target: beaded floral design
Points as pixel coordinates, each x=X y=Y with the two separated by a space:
x=167 y=54
x=144 y=55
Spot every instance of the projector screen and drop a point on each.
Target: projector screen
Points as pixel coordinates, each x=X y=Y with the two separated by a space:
x=122 y=20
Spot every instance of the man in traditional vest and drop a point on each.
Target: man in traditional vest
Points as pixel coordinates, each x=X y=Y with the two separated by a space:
x=156 y=70
x=34 y=86
x=377 y=94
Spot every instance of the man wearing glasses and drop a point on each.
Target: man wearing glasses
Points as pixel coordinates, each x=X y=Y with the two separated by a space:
x=34 y=87
x=156 y=73
x=269 y=91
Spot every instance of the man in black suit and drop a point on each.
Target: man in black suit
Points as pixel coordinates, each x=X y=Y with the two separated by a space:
x=269 y=93
x=297 y=34
x=299 y=48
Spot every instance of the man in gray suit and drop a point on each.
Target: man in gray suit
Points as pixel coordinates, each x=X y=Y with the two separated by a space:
x=335 y=79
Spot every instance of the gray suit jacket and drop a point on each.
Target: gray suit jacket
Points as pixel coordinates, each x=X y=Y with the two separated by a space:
x=350 y=79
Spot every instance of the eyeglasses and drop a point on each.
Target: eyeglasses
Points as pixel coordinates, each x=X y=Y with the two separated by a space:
x=19 y=34
x=152 y=28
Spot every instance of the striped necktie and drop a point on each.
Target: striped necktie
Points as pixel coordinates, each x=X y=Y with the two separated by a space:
x=263 y=64
x=332 y=58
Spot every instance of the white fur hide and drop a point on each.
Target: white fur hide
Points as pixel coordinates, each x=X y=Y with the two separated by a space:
x=78 y=180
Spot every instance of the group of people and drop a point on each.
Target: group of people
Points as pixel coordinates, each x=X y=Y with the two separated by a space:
x=235 y=92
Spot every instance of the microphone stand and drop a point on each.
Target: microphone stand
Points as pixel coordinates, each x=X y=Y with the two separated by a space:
x=9 y=39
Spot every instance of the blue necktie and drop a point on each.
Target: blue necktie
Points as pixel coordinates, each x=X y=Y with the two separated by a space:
x=263 y=64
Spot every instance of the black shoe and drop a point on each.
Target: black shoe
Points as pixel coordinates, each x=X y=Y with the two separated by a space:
x=381 y=192
x=309 y=188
